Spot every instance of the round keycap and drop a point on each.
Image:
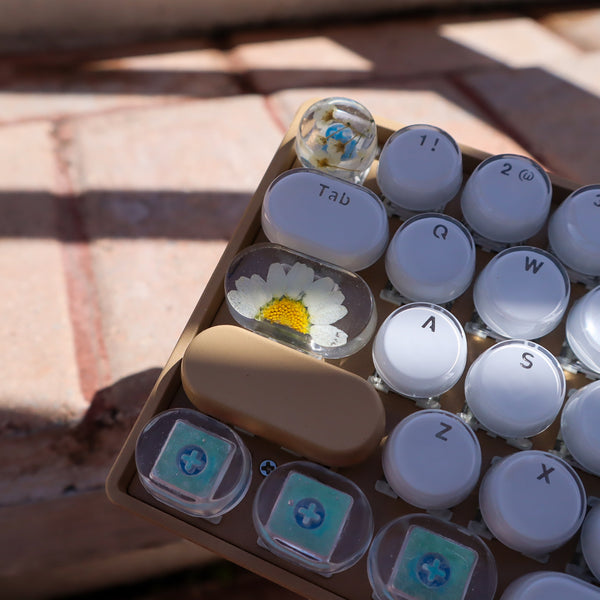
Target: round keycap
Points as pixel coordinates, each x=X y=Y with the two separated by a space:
x=523 y=292
x=432 y=459
x=550 y=585
x=420 y=168
x=583 y=329
x=573 y=231
x=420 y=350
x=590 y=541
x=431 y=258
x=515 y=388
x=580 y=426
x=532 y=501
x=507 y=198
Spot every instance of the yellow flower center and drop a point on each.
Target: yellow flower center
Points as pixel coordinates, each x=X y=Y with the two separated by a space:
x=288 y=312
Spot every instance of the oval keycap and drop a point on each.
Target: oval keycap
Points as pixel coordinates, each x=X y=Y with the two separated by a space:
x=325 y=217
x=283 y=395
x=583 y=329
x=549 y=585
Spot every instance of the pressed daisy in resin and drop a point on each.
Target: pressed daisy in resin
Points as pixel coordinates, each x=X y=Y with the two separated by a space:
x=294 y=298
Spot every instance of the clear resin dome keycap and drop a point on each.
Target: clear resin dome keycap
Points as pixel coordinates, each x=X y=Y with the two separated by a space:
x=292 y=298
x=338 y=136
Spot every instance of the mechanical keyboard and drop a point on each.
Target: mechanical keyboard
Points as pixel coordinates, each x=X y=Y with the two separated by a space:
x=390 y=387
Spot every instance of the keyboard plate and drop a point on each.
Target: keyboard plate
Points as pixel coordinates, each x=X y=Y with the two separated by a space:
x=234 y=538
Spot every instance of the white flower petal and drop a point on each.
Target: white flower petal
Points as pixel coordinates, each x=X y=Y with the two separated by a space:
x=319 y=294
x=243 y=304
x=327 y=314
x=298 y=279
x=276 y=280
x=255 y=289
x=328 y=336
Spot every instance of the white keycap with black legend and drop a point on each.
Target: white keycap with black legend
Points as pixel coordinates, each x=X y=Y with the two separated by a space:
x=523 y=292
x=532 y=502
x=583 y=329
x=590 y=540
x=420 y=169
x=515 y=389
x=420 y=350
x=550 y=585
x=507 y=198
x=431 y=258
x=580 y=426
x=432 y=459
x=574 y=231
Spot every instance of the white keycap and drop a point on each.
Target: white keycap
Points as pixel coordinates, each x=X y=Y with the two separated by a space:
x=515 y=389
x=590 y=541
x=420 y=350
x=432 y=459
x=573 y=231
x=431 y=258
x=583 y=329
x=532 y=501
x=507 y=198
x=420 y=168
x=523 y=292
x=580 y=426
x=325 y=217
x=549 y=585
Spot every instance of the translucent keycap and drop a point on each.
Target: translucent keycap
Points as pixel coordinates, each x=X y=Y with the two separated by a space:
x=515 y=389
x=339 y=137
x=419 y=557
x=523 y=292
x=580 y=426
x=432 y=459
x=590 y=541
x=420 y=169
x=325 y=217
x=193 y=463
x=313 y=517
x=583 y=330
x=431 y=258
x=573 y=231
x=305 y=303
x=507 y=198
x=532 y=501
x=549 y=585
x=420 y=350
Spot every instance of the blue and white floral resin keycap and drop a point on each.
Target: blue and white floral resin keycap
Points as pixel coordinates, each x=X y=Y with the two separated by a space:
x=339 y=137
x=313 y=517
x=515 y=389
x=523 y=292
x=193 y=463
x=325 y=217
x=573 y=231
x=550 y=585
x=420 y=169
x=431 y=258
x=432 y=459
x=532 y=501
x=419 y=557
x=580 y=426
x=420 y=350
x=507 y=199
x=583 y=330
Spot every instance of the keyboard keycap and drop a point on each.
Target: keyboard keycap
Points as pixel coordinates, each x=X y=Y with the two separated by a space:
x=548 y=585
x=432 y=459
x=431 y=258
x=583 y=330
x=580 y=426
x=313 y=517
x=523 y=292
x=420 y=169
x=515 y=389
x=532 y=501
x=590 y=541
x=420 y=350
x=573 y=231
x=507 y=198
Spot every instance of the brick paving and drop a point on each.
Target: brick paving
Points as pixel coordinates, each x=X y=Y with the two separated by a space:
x=123 y=173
